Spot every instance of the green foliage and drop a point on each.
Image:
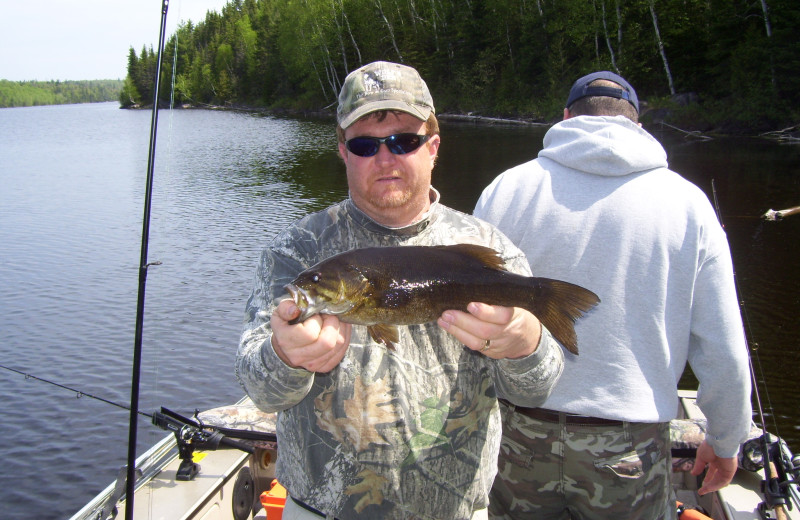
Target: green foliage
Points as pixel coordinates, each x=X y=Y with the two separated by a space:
x=34 y=93
x=129 y=94
x=489 y=57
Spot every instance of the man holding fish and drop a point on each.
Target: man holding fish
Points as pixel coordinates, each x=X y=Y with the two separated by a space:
x=376 y=420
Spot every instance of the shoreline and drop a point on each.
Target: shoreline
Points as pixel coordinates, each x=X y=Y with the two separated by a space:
x=649 y=118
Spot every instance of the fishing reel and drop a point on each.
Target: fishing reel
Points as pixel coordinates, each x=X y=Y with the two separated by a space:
x=782 y=476
x=188 y=469
x=192 y=434
x=189 y=435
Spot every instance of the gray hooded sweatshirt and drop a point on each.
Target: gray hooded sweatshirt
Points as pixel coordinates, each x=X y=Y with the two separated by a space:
x=600 y=209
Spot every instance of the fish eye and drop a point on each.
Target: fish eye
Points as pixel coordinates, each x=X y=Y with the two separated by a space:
x=316 y=278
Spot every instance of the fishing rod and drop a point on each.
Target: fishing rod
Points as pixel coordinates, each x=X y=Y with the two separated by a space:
x=781 y=469
x=231 y=432
x=143 y=266
x=192 y=432
x=79 y=393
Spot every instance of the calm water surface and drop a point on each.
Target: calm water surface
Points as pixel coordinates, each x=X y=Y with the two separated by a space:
x=71 y=193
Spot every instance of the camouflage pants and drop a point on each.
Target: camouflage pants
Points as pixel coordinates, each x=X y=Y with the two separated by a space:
x=555 y=471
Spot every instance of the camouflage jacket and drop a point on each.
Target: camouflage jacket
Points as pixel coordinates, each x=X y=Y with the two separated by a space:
x=410 y=433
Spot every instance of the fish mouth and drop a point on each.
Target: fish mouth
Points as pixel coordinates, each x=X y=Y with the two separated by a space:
x=303 y=300
x=311 y=303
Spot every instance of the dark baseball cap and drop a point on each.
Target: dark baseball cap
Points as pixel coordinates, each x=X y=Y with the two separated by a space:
x=581 y=89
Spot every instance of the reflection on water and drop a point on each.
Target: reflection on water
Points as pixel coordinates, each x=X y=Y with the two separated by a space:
x=225 y=184
x=749 y=177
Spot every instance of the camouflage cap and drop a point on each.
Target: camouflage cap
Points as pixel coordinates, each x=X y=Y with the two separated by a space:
x=383 y=85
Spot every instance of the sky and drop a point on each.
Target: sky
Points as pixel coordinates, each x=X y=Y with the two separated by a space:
x=84 y=39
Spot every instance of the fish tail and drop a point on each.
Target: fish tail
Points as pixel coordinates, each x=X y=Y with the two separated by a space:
x=558 y=305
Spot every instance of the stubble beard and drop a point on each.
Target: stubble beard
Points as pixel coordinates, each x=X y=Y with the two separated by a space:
x=393 y=200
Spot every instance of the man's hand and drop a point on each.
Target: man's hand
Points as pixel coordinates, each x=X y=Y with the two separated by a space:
x=511 y=332
x=720 y=470
x=317 y=344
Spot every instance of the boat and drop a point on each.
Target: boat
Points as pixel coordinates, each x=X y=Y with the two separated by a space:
x=212 y=466
x=220 y=464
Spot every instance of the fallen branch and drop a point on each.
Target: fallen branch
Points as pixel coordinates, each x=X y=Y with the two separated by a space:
x=488 y=120
x=787 y=135
x=689 y=133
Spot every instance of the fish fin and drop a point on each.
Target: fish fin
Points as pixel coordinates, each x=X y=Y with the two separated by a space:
x=558 y=305
x=485 y=255
x=384 y=333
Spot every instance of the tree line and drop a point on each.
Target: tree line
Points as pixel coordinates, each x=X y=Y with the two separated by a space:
x=34 y=93
x=736 y=61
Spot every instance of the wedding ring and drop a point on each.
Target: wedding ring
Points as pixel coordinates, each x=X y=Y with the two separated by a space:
x=486 y=345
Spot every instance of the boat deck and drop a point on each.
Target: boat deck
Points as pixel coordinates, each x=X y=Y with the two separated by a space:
x=737 y=501
x=202 y=498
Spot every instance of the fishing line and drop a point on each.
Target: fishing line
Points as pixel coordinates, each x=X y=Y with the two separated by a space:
x=771 y=485
x=166 y=194
x=748 y=332
x=79 y=393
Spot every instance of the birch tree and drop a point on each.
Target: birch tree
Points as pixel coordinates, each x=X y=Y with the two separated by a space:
x=352 y=37
x=661 y=50
x=338 y=31
x=390 y=29
x=768 y=27
x=607 y=37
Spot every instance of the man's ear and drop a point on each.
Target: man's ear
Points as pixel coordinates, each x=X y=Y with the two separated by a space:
x=433 y=147
x=567 y=115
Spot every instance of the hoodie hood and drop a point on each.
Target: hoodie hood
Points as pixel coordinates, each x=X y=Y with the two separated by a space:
x=603 y=145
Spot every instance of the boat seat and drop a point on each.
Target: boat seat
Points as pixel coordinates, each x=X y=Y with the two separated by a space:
x=243 y=416
x=687 y=434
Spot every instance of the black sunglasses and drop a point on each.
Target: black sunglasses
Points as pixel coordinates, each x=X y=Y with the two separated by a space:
x=398 y=144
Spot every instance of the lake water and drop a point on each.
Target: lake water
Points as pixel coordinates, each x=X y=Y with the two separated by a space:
x=72 y=182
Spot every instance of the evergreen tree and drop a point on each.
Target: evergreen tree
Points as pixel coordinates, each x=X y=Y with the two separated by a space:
x=493 y=57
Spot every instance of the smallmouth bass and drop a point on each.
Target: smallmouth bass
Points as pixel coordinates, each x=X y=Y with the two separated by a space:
x=382 y=287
